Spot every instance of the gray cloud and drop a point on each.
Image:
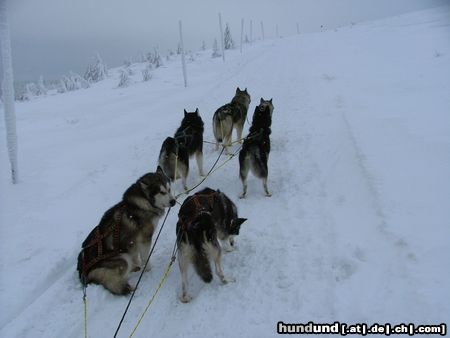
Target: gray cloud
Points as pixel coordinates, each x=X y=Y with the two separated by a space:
x=51 y=37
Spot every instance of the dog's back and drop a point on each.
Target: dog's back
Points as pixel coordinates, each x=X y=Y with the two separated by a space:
x=190 y=136
x=190 y=133
x=197 y=238
x=229 y=116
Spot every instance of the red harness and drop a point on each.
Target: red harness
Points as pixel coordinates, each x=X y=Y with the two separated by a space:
x=199 y=207
x=98 y=241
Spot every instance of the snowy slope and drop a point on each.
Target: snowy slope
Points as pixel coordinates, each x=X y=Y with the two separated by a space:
x=357 y=229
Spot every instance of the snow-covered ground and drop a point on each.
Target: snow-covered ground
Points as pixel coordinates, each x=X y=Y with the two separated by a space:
x=357 y=230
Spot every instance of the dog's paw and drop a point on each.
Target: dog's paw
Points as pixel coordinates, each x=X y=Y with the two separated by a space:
x=241 y=196
x=185 y=298
x=127 y=288
x=268 y=194
x=227 y=280
x=136 y=269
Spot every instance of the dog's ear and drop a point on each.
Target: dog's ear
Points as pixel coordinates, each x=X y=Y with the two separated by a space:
x=160 y=170
x=270 y=100
x=239 y=221
x=237 y=90
x=235 y=225
x=245 y=90
x=185 y=113
x=261 y=101
x=196 y=110
x=143 y=185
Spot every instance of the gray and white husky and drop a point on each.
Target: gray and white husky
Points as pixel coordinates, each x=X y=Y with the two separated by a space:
x=203 y=219
x=120 y=244
x=232 y=115
x=266 y=103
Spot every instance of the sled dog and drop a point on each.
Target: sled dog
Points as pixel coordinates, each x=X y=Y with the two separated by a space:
x=254 y=154
x=232 y=115
x=121 y=242
x=190 y=136
x=203 y=219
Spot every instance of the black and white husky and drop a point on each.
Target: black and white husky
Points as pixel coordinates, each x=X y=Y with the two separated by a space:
x=203 y=219
x=190 y=136
x=232 y=115
x=254 y=154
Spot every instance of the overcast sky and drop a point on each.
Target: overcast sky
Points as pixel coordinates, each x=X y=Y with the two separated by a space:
x=52 y=37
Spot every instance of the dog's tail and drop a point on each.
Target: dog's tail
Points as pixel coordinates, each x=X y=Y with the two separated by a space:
x=202 y=266
x=259 y=163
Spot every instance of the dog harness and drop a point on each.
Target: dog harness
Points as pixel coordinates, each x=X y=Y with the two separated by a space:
x=195 y=204
x=96 y=250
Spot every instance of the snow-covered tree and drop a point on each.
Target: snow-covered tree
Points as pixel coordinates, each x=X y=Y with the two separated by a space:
x=78 y=81
x=157 y=60
x=31 y=90
x=215 y=53
x=42 y=90
x=203 y=45
x=96 y=72
x=8 y=91
x=68 y=84
x=124 y=79
x=227 y=39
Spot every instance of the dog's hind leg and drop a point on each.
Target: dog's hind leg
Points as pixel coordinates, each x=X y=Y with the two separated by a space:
x=244 y=166
x=239 y=128
x=227 y=143
x=266 y=189
x=183 y=173
x=115 y=279
x=199 y=158
x=217 y=255
x=183 y=262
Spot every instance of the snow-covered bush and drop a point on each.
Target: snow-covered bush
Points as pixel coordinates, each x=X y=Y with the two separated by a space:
x=146 y=73
x=42 y=90
x=155 y=58
x=31 y=90
x=96 y=72
x=124 y=78
x=72 y=82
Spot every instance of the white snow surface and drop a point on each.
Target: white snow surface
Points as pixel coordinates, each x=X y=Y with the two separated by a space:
x=357 y=229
